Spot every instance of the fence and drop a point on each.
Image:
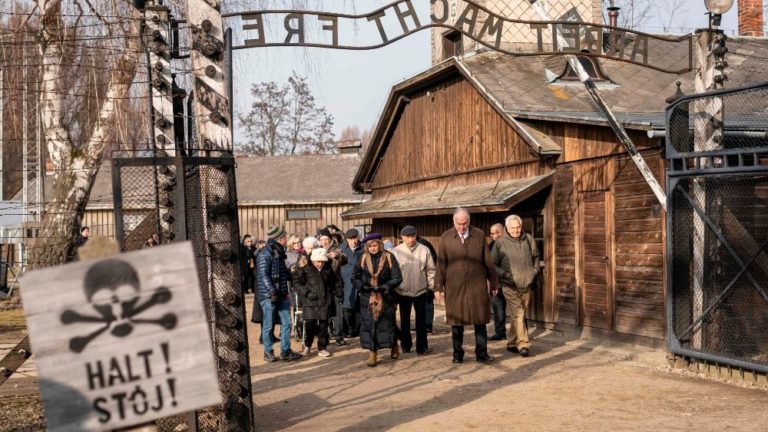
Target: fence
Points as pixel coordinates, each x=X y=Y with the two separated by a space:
x=201 y=207
x=717 y=226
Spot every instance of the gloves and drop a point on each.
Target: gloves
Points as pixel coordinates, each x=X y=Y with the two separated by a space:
x=275 y=297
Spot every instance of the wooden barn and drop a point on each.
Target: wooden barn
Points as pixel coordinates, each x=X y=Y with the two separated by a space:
x=303 y=193
x=501 y=135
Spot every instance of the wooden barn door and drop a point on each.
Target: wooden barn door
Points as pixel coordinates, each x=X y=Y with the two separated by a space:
x=596 y=246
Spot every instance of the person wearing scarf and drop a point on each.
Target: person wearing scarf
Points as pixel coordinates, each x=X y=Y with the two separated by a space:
x=376 y=276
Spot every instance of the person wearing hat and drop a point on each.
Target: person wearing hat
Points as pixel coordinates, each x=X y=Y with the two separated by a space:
x=351 y=249
x=376 y=276
x=372 y=236
x=272 y=279
x=418 y=270
x=317 y=286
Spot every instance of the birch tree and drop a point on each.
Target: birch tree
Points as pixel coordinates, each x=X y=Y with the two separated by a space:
x=77 y=149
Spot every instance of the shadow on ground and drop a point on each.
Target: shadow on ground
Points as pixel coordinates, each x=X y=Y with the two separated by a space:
x=348 y=386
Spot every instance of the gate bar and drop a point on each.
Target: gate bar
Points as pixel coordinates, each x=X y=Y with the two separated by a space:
x=724 y=241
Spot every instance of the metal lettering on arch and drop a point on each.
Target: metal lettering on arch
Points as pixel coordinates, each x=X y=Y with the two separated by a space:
x=400 y=19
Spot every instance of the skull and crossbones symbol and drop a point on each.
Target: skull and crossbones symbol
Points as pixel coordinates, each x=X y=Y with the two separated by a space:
x=112 y=288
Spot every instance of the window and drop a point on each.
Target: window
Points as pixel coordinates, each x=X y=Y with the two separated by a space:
x=590 y=65
x=452 y=44
x=303 y=214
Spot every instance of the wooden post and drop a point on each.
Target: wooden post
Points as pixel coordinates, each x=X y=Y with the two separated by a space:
x=707 y=135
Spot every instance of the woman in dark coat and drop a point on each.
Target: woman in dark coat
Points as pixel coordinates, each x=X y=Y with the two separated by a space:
x=317 y=285
x=248 y=264
x=375 y=277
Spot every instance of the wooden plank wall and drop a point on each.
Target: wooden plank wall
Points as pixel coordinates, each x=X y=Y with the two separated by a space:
x=466 y=138
x=565 y=246
x=593 y=180
x=256 y=220
x=101 y=222
x=640 y=236
x=631 y=234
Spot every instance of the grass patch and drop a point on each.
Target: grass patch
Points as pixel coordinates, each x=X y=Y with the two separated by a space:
x=11 y=320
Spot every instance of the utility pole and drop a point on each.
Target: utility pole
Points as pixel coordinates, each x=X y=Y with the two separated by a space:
x=39 y=160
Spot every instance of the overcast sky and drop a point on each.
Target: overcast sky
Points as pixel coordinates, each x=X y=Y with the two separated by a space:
x=353 y=85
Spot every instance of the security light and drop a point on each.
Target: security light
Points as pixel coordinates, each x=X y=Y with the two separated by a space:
x=718 y=7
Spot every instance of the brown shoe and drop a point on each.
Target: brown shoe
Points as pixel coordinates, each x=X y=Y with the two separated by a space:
x=371 y=362
x=395 y=351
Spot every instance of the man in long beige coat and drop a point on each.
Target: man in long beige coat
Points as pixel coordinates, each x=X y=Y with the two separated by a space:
x=464 y=272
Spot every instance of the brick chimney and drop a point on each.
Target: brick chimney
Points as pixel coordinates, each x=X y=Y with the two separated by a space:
x=751 y=18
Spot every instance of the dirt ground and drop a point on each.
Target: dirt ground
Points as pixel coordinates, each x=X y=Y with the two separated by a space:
x=568 y=384
x=574 y=385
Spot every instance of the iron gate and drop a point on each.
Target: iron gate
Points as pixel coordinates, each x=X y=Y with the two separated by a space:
x=717 y=227
x=201 y=206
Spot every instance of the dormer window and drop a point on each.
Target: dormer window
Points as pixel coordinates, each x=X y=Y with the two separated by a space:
x=590 y=65
x=452 y=44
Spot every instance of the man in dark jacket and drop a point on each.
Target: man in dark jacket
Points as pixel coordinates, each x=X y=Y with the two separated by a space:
x=498 y=303
x=82 y=239
x=272 y=279
x=352 y=249
x=516 y=259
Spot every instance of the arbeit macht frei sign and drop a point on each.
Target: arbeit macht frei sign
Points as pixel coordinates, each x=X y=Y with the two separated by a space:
x=274 y=28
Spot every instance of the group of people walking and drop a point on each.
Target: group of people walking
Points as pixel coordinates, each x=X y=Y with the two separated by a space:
x=359 y=287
